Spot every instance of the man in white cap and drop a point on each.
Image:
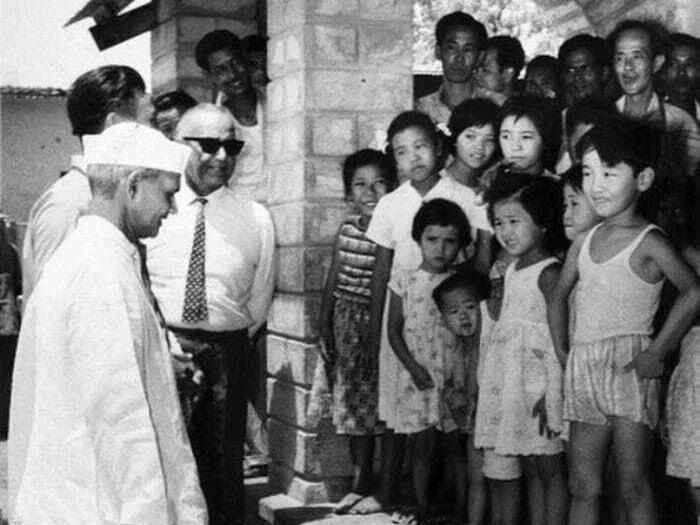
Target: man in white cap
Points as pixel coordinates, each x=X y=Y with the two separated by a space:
x=96 y=432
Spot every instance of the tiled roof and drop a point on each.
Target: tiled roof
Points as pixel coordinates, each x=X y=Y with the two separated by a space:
x=31 y=92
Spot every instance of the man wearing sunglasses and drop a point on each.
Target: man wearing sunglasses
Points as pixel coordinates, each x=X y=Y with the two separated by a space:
x=211 y=269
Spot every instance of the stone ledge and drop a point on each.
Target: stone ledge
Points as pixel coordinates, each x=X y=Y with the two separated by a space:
x=305 y=491
x=287 y=402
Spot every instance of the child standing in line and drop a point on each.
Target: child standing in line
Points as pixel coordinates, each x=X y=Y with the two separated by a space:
x=416 y=147
x=618 y=268
x=368 y=175
x=458 y=298
x=420 y=339
x=520 y=401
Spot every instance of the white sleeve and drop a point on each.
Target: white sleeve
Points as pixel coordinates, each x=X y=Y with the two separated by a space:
x=379 y=229
x=264 y=280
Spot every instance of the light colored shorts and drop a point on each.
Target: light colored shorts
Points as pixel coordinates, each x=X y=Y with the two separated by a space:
x=501 y=468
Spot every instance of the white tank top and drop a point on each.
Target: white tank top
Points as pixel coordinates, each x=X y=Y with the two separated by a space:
x=611 y=300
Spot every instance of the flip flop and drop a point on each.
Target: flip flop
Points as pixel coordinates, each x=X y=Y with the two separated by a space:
x=368 y=505
x=347 y=503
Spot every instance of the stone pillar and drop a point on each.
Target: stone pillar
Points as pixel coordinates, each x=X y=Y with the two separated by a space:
x=340 y=70
x=181 y=23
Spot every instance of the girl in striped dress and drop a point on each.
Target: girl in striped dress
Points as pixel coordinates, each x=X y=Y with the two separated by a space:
x=352 y=370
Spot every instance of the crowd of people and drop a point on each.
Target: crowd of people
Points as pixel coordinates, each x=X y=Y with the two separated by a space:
x=520 y=266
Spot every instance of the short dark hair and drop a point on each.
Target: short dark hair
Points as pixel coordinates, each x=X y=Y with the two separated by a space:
x=573 y=177
x=178 y=98
x=414 y=119
x=541 y=197
x=657 y=32
x=441 y=212
x=591 y=110
x=598 y=47
x=98 y=92
x=546 y=117
x=473 y=112
x=622 y=140
x=684 y=39
x=509 y=52
x=460 y=19
x=368 y=157
x=216 y=41
x=255 y=43
x=464 y=277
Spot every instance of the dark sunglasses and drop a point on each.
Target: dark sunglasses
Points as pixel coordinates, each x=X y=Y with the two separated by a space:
x=211 y=146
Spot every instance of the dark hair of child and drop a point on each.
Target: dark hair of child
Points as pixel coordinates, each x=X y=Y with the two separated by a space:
x=546 y=117
x=441 y=212
x=509 y=52
x=414 y=119
x=476 y=282
x=368 y=157
x=460 y=19
x=476 y=112
x=541 y=197
x=591 y=110
x=573 y=178
x=657 y=32
x=597 y=46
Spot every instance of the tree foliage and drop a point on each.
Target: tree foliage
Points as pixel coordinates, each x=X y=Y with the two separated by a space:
x=523 y=19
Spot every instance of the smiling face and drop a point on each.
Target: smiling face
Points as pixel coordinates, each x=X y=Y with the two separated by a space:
x=521 y=144
x=460 y=310
x=515 y=229
x=582 y=76
x=611 y=189
x=579 y=215
x=439 y=246
x=367 y=187
x=152 y=198
x=458 y=53
x=229 y=72
x=476 y=145
x=415 y=155
x=634 y=63
x=682 y=73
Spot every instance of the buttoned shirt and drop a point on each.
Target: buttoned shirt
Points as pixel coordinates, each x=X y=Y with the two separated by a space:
x=96 y=432
x=52 y=217
x=434 y=106
x=238 y=254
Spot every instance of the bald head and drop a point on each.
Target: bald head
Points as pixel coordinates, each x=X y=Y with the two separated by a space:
x=204 y=119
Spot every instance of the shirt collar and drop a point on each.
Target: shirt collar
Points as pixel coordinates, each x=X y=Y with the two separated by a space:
x=652 y=107
x=187 y=195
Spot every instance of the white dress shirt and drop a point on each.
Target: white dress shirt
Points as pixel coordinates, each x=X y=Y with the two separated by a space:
x=52 y=217
x=239 y=260
x=96 y=432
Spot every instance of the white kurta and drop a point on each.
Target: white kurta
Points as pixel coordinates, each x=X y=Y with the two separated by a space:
x=96 y=433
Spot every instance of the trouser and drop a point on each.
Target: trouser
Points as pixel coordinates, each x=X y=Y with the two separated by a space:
x=217 y=418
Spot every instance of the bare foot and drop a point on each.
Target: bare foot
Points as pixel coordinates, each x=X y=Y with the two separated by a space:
x=368 y=505
x=347 y=503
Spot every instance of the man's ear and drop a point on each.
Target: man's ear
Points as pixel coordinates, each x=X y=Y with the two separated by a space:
x=645 y=178
x=133 y=181
x=658 y=63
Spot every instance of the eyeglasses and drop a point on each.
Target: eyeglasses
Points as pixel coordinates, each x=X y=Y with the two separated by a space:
x=211 y=145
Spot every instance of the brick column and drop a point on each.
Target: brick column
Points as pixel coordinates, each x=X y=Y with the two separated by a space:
x=340 y=70
x=181 y=23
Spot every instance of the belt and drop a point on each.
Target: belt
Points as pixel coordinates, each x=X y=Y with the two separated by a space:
x=205 y=336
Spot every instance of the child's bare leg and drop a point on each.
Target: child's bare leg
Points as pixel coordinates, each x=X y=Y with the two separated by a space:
x=611 y=487
x=633 y=444
x=476 y=506
x=362 y=453
x=505 y=501
x=422 y=448
x=588 y=452
x=458 y=461
x=552 y=472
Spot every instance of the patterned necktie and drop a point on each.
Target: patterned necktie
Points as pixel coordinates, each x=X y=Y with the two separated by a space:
x=195 y=307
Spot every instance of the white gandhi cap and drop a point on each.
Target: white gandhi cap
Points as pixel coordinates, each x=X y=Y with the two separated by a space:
x=133 y=144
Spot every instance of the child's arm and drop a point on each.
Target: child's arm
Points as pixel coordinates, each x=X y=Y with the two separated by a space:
x=483 y=258
x=327 y=308
x=684 y=311
x=378 y=285
x=419 y=374
x=558 y=301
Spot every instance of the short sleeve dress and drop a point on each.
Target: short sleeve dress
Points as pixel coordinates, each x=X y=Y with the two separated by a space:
x=428 y=340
